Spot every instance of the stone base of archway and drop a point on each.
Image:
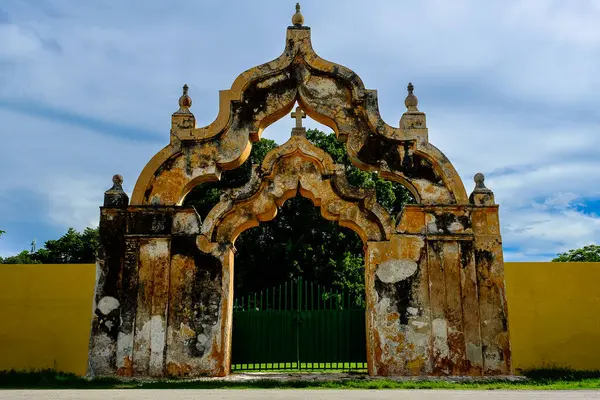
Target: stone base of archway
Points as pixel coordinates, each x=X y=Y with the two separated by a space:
x=340 y=377
x=344 y=376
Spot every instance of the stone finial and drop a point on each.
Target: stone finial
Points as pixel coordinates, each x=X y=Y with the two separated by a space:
x=115 y=196
x=479 y=179
x=185 y=102
x=411 y=100
x=298 y=18
x=182 y=120
x=117 y=182
x=413 y=118
x=481 y=196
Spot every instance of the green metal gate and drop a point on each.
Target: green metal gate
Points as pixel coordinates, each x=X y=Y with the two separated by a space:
x=298 y=325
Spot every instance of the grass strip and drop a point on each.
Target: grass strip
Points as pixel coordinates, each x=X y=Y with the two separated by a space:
x=541 y=379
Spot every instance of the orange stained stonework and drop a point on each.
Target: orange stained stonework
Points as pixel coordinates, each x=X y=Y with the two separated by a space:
x=434 y=275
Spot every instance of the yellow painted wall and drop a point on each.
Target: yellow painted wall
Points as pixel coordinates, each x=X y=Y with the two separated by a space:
x=554 y=315
x=45 y=316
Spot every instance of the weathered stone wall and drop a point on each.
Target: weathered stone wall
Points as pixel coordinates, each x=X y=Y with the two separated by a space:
x=437 y=301
x=158 y=297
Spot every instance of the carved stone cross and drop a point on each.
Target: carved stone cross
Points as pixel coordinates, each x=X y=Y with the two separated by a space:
x=299 y=114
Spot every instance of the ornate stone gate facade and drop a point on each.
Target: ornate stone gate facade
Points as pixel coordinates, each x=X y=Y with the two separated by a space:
x=434 y=274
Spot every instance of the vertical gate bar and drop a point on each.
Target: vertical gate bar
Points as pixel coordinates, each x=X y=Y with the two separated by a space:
x=335 y=330
x=258 y=331
x=267 y=299
x=294 y=304
x=251 y=324
x=338 y=330
x=315 y=333
x=332 y=332
x=305 y=296
x=318 y=297
x=355 y=334
x=299 y=295
x=348 y=336
x=298 y=309
x=286 y=309
x=248 y=334
x=266 y=333
x=344 y=332
x=276 y=329
x=256 y=321
x=263 y=331
x=312 y=296
x=327 y=334
x=280 y=297
x=323 y=332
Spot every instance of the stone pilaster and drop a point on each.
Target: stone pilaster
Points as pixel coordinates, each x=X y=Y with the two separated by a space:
x=490 y=281
x=102 y=359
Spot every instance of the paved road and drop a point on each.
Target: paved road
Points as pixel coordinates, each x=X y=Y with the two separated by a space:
x=294 y=394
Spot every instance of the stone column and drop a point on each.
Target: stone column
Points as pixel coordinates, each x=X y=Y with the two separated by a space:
x=490 y=281
x=398 y=320
x=199 y=324
x=107 y=296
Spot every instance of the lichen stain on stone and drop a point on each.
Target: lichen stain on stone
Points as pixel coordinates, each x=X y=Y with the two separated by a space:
x=439 y=328
x=107 y=304
x=126 y=368
x=157 y=343
x=124 y=352
x=392 y=271
x=101 y=362
x=186 y=223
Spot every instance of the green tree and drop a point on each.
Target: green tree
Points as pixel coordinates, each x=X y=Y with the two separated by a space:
x=590 y=253
x=24 y=257
x=72 y=248
x=391 y=195
x=2 y=232
x=299 y=241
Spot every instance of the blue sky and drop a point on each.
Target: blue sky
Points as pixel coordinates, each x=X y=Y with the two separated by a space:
x=511 y=89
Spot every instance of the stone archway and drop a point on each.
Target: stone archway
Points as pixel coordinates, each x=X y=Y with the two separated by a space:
x=295 y=168
x=434 y=277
